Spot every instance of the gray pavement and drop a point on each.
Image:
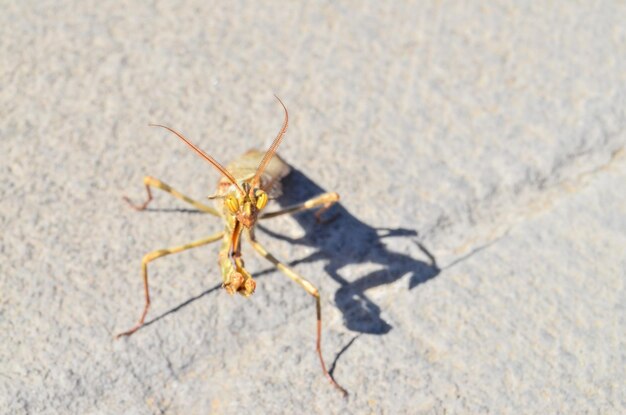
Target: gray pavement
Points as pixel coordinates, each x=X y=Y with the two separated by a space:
x=477 y=261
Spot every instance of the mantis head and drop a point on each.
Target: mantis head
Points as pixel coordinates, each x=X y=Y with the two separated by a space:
x=247 y=205
x=247 y=198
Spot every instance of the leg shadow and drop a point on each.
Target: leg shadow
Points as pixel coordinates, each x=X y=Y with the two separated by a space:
x=347 y=241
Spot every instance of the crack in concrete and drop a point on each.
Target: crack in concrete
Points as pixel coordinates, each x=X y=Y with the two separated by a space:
x=546 y=200
x=475 y=251
x=168 y=362
x=615 y=157
x=548 y=196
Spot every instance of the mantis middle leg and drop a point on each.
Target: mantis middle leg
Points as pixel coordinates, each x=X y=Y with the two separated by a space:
x=309 y=288
x=157 y=254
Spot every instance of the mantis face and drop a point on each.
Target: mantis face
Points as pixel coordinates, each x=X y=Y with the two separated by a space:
x=245 y=206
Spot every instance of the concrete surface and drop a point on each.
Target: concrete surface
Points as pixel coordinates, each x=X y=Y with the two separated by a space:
x=476 y=264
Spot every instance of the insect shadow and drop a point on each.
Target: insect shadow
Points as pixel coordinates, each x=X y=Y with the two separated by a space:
x=346 y=241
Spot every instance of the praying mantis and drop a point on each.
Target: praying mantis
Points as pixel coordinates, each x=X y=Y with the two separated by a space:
x=242 y=193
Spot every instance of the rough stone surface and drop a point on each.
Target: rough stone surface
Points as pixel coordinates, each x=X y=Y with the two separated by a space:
x=476 y=264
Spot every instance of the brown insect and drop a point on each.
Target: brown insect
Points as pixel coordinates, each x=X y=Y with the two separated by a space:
x=242 y=194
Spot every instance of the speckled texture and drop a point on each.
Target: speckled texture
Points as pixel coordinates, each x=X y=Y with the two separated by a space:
x=475 y=265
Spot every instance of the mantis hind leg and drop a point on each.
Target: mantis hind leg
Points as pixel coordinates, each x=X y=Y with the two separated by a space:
x=152 y=182
x=309 y=288
x=144 y=270
x=325 y=200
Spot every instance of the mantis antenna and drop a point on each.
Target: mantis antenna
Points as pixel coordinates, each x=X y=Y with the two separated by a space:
x=208 y=158
x=272 y=150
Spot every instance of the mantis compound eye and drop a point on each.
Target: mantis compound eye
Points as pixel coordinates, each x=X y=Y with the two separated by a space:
x=261 y=198
x=232 y=203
